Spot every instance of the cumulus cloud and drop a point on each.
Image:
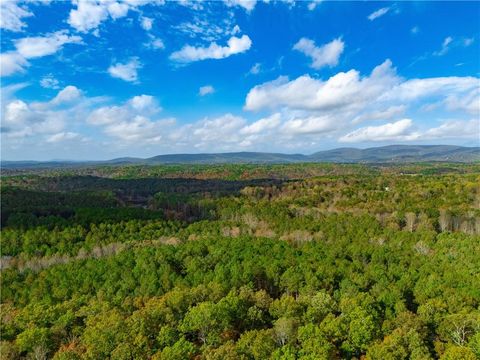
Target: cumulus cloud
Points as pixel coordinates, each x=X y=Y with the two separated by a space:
x=33 y=47
x=13 y=15
x=40 y=121
x=66 y=95
x=348 y=93
x=325 y=55
x=207 y=130
x=38 y=46
x=205 y=90
x=12 y=62
x=49 y=82
x=89 y=14
x=310 y=125
x=333 y=106
x=22 y=119
x=154 y=43
x=146 y=23
x=136 y=123
x=157 y=44
x=139 y=128
x=145 y=103
x=127 y=71
x=190 y=53
x=248 y=5
x=378 y=13
x=397 y=131
x=108 y=114
x=343 y=90
x=131 y=121
x=404 y=130
x=414 y=89
x=262 y=125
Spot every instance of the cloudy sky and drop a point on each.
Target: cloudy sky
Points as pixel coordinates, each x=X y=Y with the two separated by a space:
x=99 y=80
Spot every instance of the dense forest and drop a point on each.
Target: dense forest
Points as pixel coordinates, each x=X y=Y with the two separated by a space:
x=213 y=262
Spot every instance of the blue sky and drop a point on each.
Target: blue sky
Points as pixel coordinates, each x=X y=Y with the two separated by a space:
x=99 y=80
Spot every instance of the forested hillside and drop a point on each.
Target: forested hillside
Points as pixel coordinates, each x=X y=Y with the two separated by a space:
x=385 y=154
x=300 y=261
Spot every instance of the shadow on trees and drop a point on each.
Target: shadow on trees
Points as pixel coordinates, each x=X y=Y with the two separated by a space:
x=89 y=199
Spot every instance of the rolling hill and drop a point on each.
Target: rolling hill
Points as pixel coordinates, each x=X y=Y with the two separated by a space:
x=384 y=154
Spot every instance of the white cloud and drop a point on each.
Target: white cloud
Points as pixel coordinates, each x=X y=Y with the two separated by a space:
x=37 y=123
x=378 y=13
x=313 y=4
x=204 y=29
x=68 y=94
x=248 y=5
x=155 y=43
x=12 y=62
x=469 y=102
x=12 y=15
x=138 y=129
x=325 y=55
x=310 y=125
x=192 y=4
x=454 y=129
x=49 y=82
x=347 y=94
x=127 y=72
x=415 y=30
x=118 y=10
x=449 y=43
x=262 y=125
x=22 y=119
x=108 y=115
x=414 y=89
x=398 y=131
x=16 y=112
x=205 y=90
x=62 y=136
x=89 y=14
x=255 y=69
x=223 y=132
x=145 y=103
x=445 y=46
x=158 y=44
x=38 y=46
x=146 y=23
x=343 y=90
x=190 y=53
x=386 y=114
x=131 y=121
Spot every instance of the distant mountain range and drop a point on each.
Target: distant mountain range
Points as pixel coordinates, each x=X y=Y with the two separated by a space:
x=384 y=154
